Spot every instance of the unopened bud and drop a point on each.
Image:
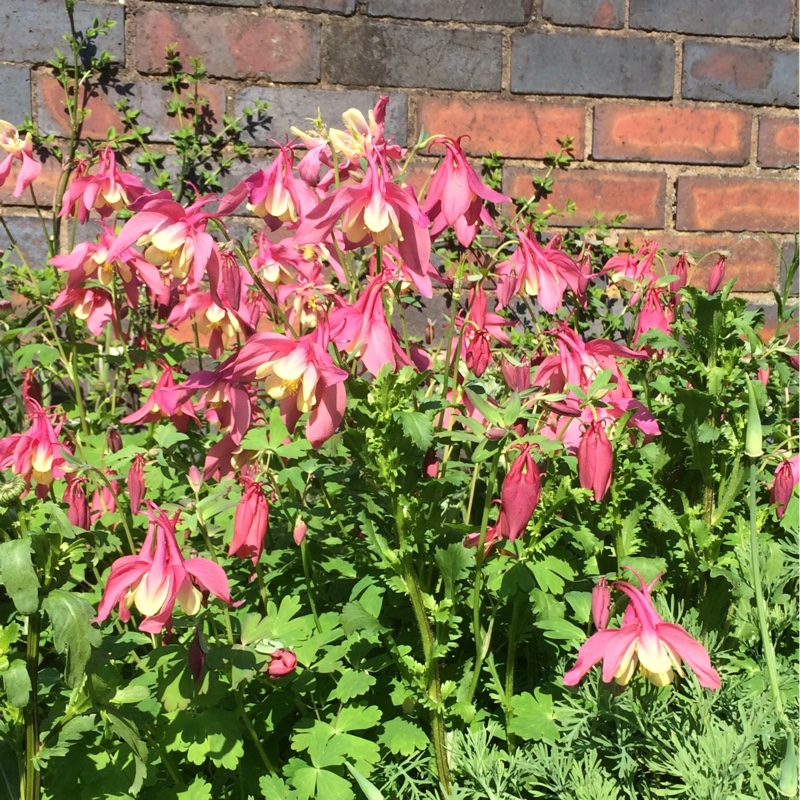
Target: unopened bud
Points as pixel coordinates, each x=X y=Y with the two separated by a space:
x=753 y=438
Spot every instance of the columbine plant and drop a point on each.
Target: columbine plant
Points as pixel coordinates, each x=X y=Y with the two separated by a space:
x=284 y=537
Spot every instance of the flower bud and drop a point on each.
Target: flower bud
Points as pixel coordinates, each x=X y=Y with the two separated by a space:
x=136 y=483
x=250 y=523
x=717 y=275
x=763 y=375
x=195 y=479
x=75 y=498
x=601 y=604
x=595 y=460
x=113 y=440
x=753 y=438
x=786 y=478
x=522 y=488
x=282 y=663
x=299 y=532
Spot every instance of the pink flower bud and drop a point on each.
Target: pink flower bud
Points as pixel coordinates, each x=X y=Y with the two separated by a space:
x=786 y=478
x=681 y=270
x=478 y=354
x=75 y=498
x=763 y=375
x=601 y=604
x=430 y=465
x=717 y=275
x=250 y=523
x=520 y=495
x=136 y=483
x=595 y=460
x=113 y=440
x=282 y=663
x=195 y=478
x=31 y=390
x=299 y=532
x=197 y=655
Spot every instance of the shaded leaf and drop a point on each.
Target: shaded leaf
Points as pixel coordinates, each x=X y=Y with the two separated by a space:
x=19 y=576
x=70 y=616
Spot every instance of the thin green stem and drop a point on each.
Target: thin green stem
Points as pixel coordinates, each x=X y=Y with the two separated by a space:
x=253 y=733
x=513 y=638
x=761 y=605
x=306 y=559
x=32 y=779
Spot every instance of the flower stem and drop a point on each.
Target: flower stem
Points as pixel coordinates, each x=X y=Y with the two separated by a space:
x=32 y=779
x=761 y=605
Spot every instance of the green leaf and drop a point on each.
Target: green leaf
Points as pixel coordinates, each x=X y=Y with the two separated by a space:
x=357 y=718
x=352 y=684
x=126 y=730
x=560 y=629
x=19 y=576
x=273 y=788
x=330 y=785
x=17 y=683
x=369 y=789
x=73 y=632
x=417 y=427
x=198 y=790
x=356 y=618
x=550 y=573
x=453 y=562
x=533 y=717
x=403 y=737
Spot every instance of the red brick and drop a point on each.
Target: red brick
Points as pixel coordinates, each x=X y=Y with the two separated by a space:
x=514 y=128
x=778 y=141
x=754 y=259
x=671 y=135
x=148 y=96
x=44 y=186
x=710 y=203
x=640 y=195
x=232 y=44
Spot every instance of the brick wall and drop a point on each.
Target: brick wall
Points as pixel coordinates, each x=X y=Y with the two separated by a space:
x=683 y=112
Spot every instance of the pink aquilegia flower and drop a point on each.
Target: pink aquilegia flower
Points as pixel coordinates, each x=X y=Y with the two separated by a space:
x=250 y=522
x=282 y=663
x=37 y=454
x=480 y=327
x=299 y=373
x=18 y=150
x=456 y=194
x=159 y=577
x=520 y=494
x=658 y=648
x=78 y=505
x=786 y=478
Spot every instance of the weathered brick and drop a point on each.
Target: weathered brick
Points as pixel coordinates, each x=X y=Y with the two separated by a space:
x=44 y=186
x=753 y=258
x=514 y=128
x=671 y=135
x=231 y=44
x=149 y=97
x=778 y=141
x=713 y=203
x=221 y=2
x=346 y=7
x=389 y=54
x=15 y=96
x=574 y=63
x=586 y=13
x=27 y=233
x=764 y=19
x=30 y=29
x=288 y=107
x=504 y=12
x=640 y=195
x=740 y=73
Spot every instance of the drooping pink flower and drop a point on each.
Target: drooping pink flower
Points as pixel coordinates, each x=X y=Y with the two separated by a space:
x=250 y=522
x=109 y=189
x=159 y=577
x=37 y=454
x=18 y=150
x=541 y=272
x=480 y=327
x=93 y=306
x=456 y=194
x=659 y=648
x=786 y=478
x=637 y=267
x=299 y=531
x=375 y=210
x=595 y=460
x=517 y=377
x=162 y=402
x=104 y=500
x=299 y=373
x=656 y=312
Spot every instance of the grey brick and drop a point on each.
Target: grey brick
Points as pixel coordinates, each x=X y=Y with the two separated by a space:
x=762 y=19
x=386 y=54
x=587 y=13
x=15 y=94
x=288 y=107
x=30 y=29
x=740 y=73
x=572 y=63
x=504 y=12
x=346 y=7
